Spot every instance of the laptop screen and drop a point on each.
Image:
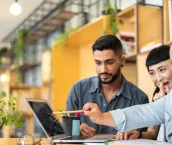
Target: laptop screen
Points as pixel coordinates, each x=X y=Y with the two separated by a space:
x=45 y=117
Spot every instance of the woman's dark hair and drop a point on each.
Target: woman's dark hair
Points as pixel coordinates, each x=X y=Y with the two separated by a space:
x=158 y=55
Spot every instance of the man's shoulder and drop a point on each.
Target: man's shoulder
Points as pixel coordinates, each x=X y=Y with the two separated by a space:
x=134 y=89
x=87 y=80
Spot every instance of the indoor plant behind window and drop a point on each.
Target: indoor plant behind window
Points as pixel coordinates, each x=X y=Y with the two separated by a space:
x=8 y=113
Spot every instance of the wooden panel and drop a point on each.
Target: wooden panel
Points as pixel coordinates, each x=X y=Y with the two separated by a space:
x=65 y=72
x=72 y=60
x=166 y=23
x=128 y=18
x=149 y=25
x=130 y=73
x=144 y=81
x=87 y=67
x=87 y=33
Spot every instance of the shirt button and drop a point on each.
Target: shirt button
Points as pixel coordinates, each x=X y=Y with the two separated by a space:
x=104 y=105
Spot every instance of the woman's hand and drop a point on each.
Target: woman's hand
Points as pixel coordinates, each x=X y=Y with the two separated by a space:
x=92 y=110
x=133 y=134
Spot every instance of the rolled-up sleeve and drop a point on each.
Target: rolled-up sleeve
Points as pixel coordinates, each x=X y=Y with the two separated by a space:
x=119 y=119
x=140 y=116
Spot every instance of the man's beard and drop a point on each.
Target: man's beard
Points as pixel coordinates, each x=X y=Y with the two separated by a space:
x=114 y=77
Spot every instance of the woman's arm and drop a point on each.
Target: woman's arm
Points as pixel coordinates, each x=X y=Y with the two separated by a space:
x=130 y=118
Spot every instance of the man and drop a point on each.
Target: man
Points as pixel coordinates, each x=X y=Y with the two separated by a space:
x=110 y=90
x=138 y=116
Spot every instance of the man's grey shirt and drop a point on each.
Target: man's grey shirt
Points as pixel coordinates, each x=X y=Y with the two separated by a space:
x=152 y=114
x=89 y=90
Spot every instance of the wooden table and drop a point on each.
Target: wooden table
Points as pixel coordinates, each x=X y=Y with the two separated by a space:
x=14 y=141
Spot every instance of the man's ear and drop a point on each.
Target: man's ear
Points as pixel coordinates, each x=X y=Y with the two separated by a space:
x=122 y=60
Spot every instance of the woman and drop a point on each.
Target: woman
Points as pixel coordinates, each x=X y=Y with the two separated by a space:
x=160 y=72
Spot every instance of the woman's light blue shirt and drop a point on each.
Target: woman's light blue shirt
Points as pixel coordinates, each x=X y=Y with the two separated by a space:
x=146 y=115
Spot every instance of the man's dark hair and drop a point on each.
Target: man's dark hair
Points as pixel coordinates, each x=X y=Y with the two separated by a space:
x=108 y=42
x=158 y=55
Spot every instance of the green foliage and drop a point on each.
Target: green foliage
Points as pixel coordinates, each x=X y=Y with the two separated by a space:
x=2 y=52
x=113 y=22
x=19 y=45
x=65 y=35
x=8 y=114
x=18 y=52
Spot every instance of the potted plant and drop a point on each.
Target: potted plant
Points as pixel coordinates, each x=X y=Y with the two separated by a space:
x=8 y=113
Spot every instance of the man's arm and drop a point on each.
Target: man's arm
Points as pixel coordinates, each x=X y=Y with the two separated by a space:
x=72 y=100
x=73 y=104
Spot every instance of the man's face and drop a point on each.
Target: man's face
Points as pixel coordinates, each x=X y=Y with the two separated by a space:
x=161 y=75
x=108 y=65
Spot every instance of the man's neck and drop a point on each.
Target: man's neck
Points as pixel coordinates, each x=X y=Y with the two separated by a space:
x=115 y=86
x=109 y=90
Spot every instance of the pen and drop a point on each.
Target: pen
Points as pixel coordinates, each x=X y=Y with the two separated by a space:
x=75 y=111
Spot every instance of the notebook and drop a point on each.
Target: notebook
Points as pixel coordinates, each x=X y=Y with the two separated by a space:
x=52 y=126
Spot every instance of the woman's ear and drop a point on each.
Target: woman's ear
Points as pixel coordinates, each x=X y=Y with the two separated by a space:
x=122 y=60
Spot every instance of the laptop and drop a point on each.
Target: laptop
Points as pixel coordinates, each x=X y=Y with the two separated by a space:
x=53 y=128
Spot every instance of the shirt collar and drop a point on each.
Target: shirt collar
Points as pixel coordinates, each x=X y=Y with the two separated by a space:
x=95 y=86
x=124 y=90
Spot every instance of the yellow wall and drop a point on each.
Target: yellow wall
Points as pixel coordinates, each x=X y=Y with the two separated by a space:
x=144 y=81
x=87 y=67
x=72 y=61
x=65 y=65
x=129 y=71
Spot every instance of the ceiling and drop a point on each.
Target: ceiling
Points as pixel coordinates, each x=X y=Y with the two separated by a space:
x=7 y=21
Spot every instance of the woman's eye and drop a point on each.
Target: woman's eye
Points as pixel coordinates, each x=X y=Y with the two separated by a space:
x=162 y=70
x=151 y=73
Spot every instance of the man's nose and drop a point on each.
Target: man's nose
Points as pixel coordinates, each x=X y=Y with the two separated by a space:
x=104 y=68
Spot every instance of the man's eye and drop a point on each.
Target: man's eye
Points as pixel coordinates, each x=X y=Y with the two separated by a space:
x=98 y=63
x=110 y=62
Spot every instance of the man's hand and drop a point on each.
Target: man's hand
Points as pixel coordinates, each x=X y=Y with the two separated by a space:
x=93 y=111
x=133 y=134
x=86 y=130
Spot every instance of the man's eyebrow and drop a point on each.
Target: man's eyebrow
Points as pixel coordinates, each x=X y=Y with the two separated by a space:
x=105 y=60
x=109 y=60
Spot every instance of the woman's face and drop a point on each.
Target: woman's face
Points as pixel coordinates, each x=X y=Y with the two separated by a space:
x=161 y=75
